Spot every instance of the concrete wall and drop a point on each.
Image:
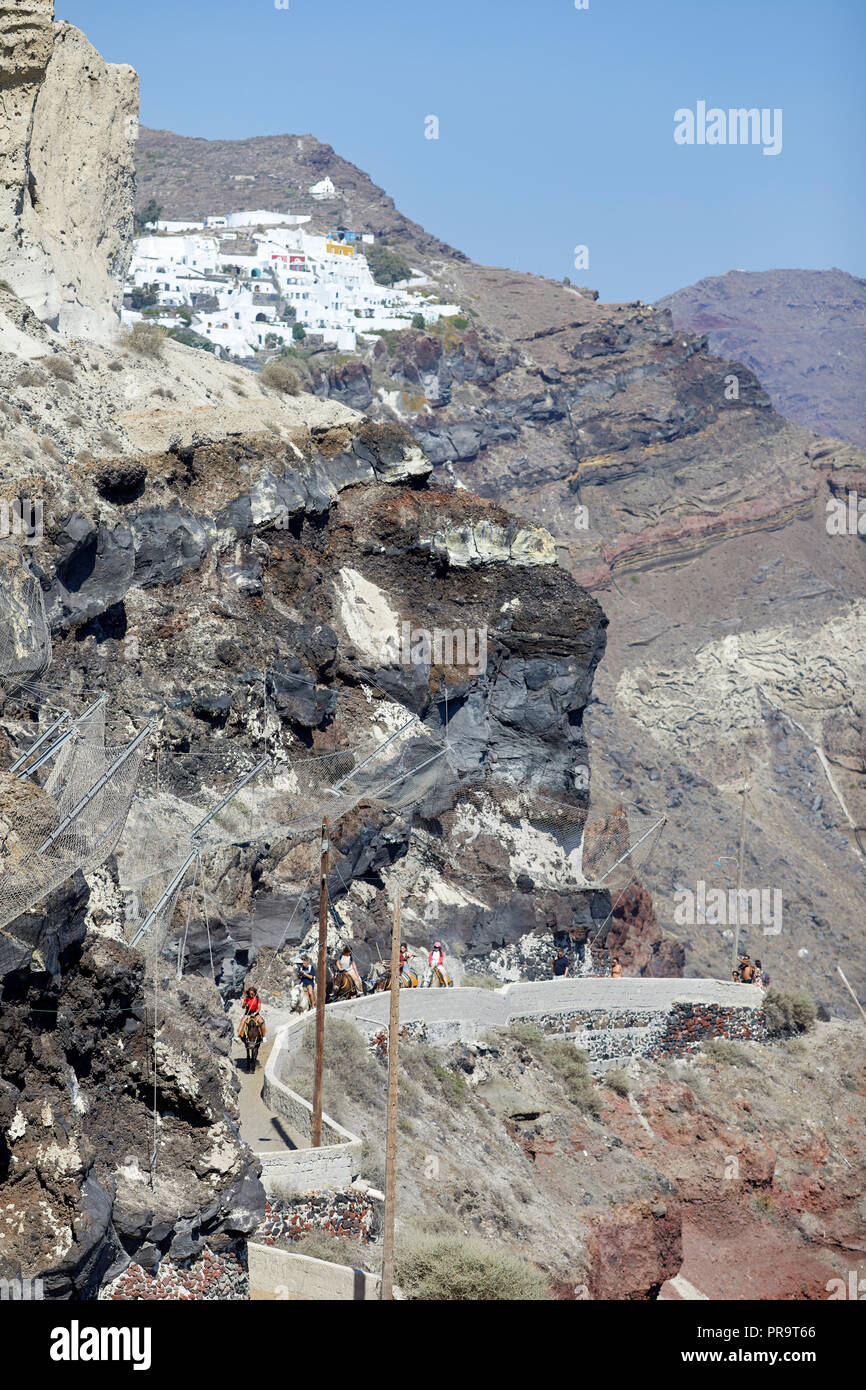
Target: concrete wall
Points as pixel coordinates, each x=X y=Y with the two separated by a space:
x=290 y=1171
x=282 y=1274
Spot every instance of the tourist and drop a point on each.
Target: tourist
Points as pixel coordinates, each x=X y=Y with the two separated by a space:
x=762 y=979
x=616 y=968
x=307 y=977
x=346 y=963
x=560 y=965
x=251 y=1005
x=435 y=962
x=747 y=971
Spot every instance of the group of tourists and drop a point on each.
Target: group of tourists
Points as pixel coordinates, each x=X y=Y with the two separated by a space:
x=749 y=972
x=344 y=965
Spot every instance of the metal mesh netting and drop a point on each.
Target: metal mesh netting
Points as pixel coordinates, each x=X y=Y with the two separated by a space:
x=600 y=846
x=165 y=834
x=25 y=642
x=45 y=839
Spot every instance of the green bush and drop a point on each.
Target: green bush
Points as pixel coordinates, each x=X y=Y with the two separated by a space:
x=788 y=1011
x=299 y=332
x=449 y=1269
x=150 y=213
x=190 y=338
x=146 y=339
x=280 y=377
x=387 y=266
x=143 y=297
x=418 y=321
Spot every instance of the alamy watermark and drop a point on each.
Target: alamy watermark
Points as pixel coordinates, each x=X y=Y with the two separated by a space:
x=846 y=516
x=22 y=520
x=736 y=126
x=440 y=646
x=21 y=1291
x=729 y=907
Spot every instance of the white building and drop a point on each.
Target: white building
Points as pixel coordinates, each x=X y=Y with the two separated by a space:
x=323 y=191
x=247 y=303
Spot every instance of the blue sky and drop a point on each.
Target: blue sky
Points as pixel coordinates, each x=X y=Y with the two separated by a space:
x=555 y=124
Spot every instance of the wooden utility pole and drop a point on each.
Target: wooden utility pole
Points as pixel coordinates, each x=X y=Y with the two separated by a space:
x=851 y=992
x=321 y=983
x=391 y=1143
x=735 y=948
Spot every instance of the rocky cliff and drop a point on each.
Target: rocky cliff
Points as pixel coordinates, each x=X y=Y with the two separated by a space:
x=800 y=331
x=699 y=514
x=69 y=125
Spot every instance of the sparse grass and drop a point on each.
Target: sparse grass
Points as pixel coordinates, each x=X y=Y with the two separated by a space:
x=788 y=1012
x=618 y=1082
x=481 y=982
x=338 y=1250
x=425 y=1067
x=115 y=365
x=164 y=393
x=51 y=449
x=731 y=1054
x=448 y=1269
x=350 y=1070
x=571 y=1065
x=280 y=377
x=59 y=367
x=74 y=422
x=147 y=339
x=110 y=439
x=373 y=1164
x=527 y=1034
x=28 y=377
x=272 y=426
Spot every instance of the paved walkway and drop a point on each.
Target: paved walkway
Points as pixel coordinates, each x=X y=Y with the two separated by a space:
x=264 y=1131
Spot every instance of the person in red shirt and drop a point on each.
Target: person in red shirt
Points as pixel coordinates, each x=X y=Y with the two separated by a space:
x=252 y=1005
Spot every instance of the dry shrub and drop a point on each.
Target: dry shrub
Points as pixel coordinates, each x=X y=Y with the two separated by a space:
x=146 y=339
x=280 y=377
x=450 y=1269
x=59 y=368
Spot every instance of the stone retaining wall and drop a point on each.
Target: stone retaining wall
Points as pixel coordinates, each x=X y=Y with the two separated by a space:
x=352 y=1214
x=606 y=1034
x=210 y=1276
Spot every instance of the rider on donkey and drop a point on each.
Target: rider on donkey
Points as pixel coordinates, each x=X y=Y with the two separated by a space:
x=252 y=1007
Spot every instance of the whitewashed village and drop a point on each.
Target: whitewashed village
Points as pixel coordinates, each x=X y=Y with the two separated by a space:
x=258 y=280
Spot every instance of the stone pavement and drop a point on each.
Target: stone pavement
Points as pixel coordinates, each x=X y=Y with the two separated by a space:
x=260 y=1128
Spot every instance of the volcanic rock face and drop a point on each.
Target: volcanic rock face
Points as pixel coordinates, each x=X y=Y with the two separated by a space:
x=801 y=331
x=87 y=1181
x=65 y=219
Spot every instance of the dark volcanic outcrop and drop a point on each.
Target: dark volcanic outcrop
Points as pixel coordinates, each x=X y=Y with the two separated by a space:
x=801 y=331
x=92 y=1057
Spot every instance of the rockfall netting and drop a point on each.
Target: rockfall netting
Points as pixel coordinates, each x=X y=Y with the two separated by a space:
x=72 y=822
x=169 y=839
x=25 y=642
